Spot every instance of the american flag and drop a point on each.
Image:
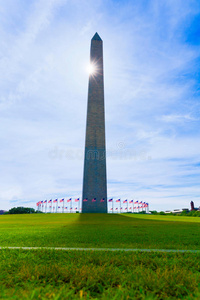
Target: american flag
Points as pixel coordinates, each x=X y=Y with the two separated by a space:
x=116 y=208
x=70 y=199
x=118 y=200
x=110 y=200
x=76 y=200
x=62 y=200
x=85 y=200
x=45 y=201
x=140 y=202
x=125 y=207
x=75 y=208
x=65 y=207
x=125 y=201
x=50 y=201
x=37 y=203
x=102 y=200
x=56 y=200
x=131 y=201
x=111 y=208
x=129 y=207
x=58 y=206
x=135 y=202
x=94 y=200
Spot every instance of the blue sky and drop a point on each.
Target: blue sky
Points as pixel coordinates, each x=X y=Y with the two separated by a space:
x=151 y=70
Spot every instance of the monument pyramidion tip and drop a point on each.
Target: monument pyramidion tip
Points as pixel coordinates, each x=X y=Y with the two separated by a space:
x=96 y=37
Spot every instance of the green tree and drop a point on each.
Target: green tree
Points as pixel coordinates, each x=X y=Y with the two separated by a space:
x=162 y=213
x=153 y=212
x=21 y=210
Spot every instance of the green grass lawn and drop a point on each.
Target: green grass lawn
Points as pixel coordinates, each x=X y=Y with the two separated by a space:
x=50 y=274
x=99 y=230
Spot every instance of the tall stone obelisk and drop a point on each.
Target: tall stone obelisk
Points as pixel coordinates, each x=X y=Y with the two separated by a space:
x=94 y=178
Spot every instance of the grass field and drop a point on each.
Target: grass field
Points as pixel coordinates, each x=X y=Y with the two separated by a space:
x=88 y=230
x=50 y=274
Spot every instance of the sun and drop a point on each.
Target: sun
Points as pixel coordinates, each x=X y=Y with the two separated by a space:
x=91 y=69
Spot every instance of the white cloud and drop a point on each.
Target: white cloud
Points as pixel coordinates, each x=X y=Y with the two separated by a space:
x=178 y=118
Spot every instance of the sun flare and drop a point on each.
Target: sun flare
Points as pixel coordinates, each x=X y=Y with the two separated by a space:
x=91 y=69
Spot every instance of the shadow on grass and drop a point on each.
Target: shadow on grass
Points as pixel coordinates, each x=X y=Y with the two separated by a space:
x=106 y=219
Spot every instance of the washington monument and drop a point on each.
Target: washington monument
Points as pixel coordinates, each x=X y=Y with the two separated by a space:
x=94 y=177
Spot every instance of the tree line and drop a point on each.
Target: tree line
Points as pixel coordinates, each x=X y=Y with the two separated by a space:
x=22 y=210
x=192 y=213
